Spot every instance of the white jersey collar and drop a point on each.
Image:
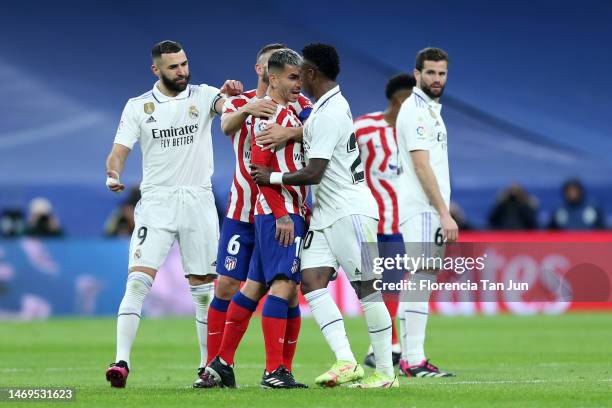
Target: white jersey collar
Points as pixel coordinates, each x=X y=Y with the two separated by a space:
x=161 y=98
x=426 y=97
x=326 y=97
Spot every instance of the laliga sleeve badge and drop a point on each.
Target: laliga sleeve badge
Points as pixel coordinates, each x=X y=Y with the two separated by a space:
x=149 y=108
x=194 y=113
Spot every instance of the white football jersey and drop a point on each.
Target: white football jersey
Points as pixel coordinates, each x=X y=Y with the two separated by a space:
x=420 y=127
x=174 y=136
x=329 y=134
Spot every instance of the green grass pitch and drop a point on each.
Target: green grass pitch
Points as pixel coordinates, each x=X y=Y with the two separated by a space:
x=500 y=361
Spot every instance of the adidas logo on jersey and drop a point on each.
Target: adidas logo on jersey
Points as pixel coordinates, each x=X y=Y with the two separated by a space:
x=151 y=119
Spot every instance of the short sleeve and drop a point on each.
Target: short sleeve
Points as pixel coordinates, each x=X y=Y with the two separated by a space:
x=327 y=136
x=128 y=130
x=210 y=96
x=233 y=104
x=302 y=108
x=413 y=129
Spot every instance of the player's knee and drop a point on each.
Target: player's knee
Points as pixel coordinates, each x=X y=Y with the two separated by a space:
x=363 y=289
x=253 y=290
x=226 y=287
x=143 y=269
x=282 y=287
x=313 y=279
x=196 y=280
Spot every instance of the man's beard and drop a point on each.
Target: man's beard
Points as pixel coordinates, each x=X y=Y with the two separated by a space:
x=428 y=92
x=173 y=86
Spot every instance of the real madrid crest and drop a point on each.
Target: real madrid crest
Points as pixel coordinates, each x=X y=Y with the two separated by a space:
x=432 y=113
x=193 y=112
x=149 y=108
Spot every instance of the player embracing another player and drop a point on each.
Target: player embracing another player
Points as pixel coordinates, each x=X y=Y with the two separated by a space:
x=345 y=216
x=280 y=228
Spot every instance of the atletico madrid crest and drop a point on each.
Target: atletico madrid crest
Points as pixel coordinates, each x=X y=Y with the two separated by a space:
x=230 y=263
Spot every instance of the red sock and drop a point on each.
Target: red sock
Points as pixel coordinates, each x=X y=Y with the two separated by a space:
x=237 y=322
x=291 y=336
x=274 y=325
x=392 y=308
x=216 y=325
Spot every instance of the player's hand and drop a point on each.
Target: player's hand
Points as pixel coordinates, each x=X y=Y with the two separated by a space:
x=272 y=136
x=260 y=175
x=231 y=88
x=284 y=231
x=113 y=183
x=261 y=108
x=450 y=230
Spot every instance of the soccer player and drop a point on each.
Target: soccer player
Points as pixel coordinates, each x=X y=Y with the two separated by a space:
x=279 y=231
x=422 y=144
x=344 y=217
x=377 y=142
x=172 y=123
x=238 y=232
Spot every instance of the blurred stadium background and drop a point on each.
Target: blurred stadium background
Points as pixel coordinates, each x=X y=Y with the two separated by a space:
x=526 y=106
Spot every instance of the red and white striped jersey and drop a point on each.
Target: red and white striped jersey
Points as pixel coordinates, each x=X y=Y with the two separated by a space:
x=243 y=191
x=279 y=199
x=378 y=148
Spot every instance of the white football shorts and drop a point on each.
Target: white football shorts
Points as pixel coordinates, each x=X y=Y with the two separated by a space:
x=340 y=244
x=185 y=214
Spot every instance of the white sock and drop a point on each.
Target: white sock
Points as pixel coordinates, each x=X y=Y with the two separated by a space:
x=136 y=289
x=202 y=296
x=415 y=311
x=329 y=319
x=379 y=327
x=402 y=329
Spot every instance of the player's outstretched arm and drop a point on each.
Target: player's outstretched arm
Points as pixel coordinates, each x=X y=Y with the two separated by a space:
x=231 y=122
x=307 y=176
x=274 y=135
x=230 y=87
x=114 y=167
x=427 y=178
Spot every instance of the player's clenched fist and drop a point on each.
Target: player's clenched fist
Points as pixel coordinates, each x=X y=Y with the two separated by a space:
x=284 y=231
x=260 y=175
x=113 y=183
x=231 y=88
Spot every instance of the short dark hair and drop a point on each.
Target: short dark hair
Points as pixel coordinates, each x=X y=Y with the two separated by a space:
x=430 y=54
x=165 y=47
x=284 y=57
x=399 y=82
x=324 y=57
x=269 y=47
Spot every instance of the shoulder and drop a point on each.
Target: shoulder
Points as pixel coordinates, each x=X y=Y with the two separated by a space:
x=145 y=96
x=369 y=123
x=242 y=99
x=203 y=90
x=303 y=102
